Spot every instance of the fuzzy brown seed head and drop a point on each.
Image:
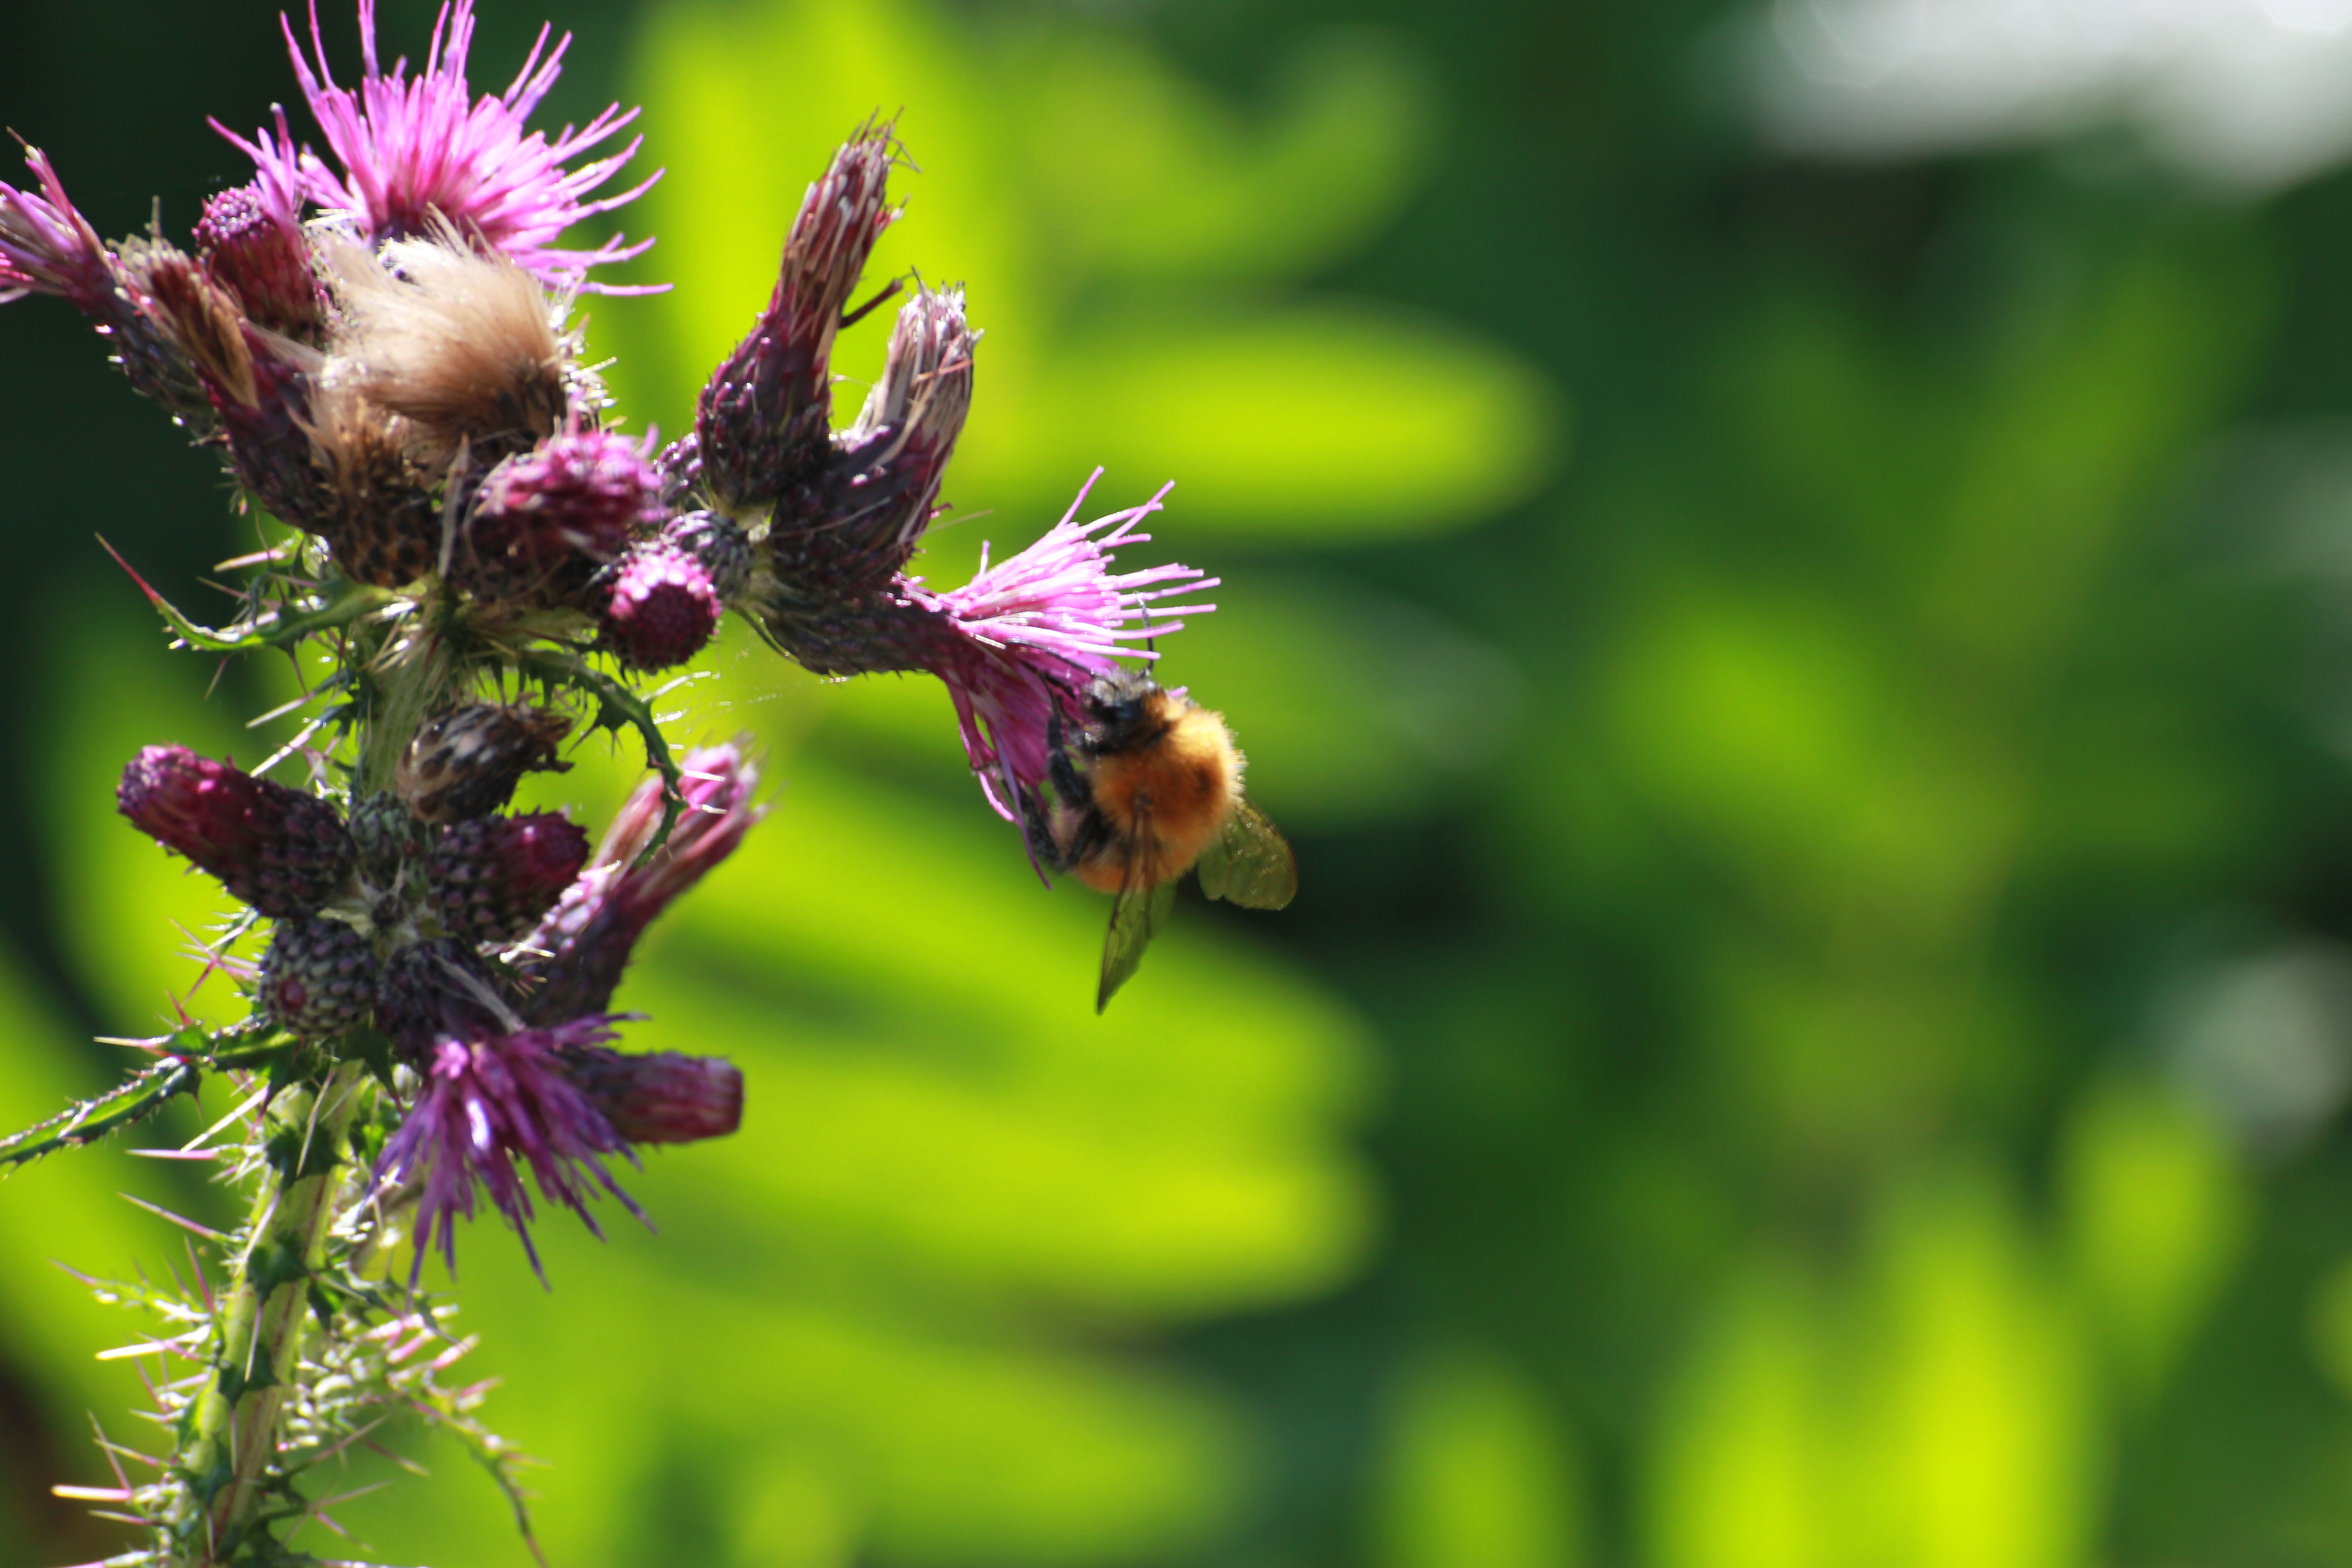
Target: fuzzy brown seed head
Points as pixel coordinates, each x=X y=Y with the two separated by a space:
x=466 y=762
x=372 y=505
x=463 y=346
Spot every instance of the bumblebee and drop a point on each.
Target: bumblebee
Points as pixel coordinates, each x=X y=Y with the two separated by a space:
x=1150 y=789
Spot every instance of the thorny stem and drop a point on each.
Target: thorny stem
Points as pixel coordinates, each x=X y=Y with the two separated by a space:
x=232 y=1432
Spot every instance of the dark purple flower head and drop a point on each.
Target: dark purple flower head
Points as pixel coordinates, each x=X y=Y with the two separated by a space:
x=47 y=247
x=409 y=147
x=488 y=1109
x=762 y=419
x=319 y=977
x=435 y=989
x=1033 y=631
x=546 y=519
x=661 y=1097
x=493 y=877
x=660 y=608
x=579 y=952
x=284 y=852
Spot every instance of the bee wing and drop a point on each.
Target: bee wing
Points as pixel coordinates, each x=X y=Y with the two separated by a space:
x=1136 y=915
x=1250 y=863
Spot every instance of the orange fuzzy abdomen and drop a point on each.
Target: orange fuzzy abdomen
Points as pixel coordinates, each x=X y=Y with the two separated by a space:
x=1166 y=802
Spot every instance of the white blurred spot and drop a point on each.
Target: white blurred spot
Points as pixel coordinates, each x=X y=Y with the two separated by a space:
x=2251 y=94
x=2266 y=1042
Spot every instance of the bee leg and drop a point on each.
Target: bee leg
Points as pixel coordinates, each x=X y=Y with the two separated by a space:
x=1091 y=837
x=1033 y=828
x=1069 y=783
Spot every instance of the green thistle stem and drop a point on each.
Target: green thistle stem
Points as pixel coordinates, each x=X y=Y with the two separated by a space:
x=231 y=1434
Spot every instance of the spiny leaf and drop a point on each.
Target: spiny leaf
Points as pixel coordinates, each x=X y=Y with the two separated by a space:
x=342 y=604
x=133 y=1099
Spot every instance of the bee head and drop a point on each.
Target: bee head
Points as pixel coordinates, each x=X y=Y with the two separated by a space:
x=1121 y=708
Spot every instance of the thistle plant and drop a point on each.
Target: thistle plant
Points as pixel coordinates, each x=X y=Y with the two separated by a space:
x=380 y=344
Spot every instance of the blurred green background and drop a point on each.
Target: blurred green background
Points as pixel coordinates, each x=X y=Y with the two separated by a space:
x=1808 y=672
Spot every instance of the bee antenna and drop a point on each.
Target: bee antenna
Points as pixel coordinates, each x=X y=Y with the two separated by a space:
x=1151 y=643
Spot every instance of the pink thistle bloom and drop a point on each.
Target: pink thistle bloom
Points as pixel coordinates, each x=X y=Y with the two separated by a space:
x=1033 y=631
x=412 y=146
x=488 y=1109
x=48 y=247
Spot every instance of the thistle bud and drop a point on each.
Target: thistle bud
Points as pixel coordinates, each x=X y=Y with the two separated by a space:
x=834 y=549
x=495 y=876
x=434 y=988
x=762 y=418
x=543 y=521
x=723 y=548
x=661 y=1097
x=895 y=454
x=584 y=943
x=660 y=608
x=386 y=833
x=319 y=977
x=466 y=762
x=284 y=852
x=253 y=247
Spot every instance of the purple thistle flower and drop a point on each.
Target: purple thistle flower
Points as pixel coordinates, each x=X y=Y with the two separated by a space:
x=493 y=877
x=284 y=852
x=660 y=608
x=48 y=247
x=1033 y=631
x=491 y=1106
x=894 y=455
x=411 y=146
x=761 y=422
x=250 y=238
x=547 y=519
x=661 y=1097
x=579 y=952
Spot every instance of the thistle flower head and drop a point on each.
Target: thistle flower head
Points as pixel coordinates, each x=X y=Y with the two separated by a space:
x=367 y=497
x=761 y=419
x=585 y=942
x=466 y=762
x=250 y=238
x=47 y=247
x=408 y=147
x=660 y=608
x=490 y=1109
x=493 y=877
x=895 y=455
x=1028 y=634
x=661 y=1097
x=545 y=520
x=319 y=977
x=284 y=852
